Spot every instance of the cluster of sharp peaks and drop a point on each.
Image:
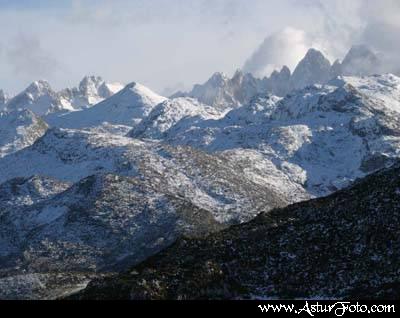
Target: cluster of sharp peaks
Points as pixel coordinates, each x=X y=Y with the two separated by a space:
x=313 y=69
x=41 y=98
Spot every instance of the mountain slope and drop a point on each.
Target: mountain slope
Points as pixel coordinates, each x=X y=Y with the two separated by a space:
x=102 y=223
x=342 y=246
x=28 y=191
x=320 y=138
x=127 y=107
x=167 y=114
x=19 y=129
x=211 y=182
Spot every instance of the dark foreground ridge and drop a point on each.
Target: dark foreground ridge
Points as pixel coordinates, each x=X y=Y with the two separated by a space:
x=346 y=245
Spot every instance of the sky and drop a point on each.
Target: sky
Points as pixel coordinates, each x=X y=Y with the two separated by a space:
x=172 y=44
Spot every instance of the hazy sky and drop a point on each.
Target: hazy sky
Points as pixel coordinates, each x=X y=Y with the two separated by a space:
x=167 y=43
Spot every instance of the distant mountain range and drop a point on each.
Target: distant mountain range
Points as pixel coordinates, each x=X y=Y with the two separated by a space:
x=40 y=98
x=314 y=68
x=96 y=180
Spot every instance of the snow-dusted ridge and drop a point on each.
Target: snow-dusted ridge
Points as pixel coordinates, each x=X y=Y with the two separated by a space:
x=42 y=99
x=19 y=129
x=167 y=114
x=127 y=107
x=226 y=93
x=208 y=181
x=322 y=137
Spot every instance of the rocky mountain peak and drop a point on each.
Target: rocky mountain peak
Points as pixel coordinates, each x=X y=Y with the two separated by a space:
x=313 y=69
x=218 y=79
x=361 y=61
x=39 y=87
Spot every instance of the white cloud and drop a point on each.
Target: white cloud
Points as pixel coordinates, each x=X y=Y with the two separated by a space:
x=163 y=42
x=286 y=47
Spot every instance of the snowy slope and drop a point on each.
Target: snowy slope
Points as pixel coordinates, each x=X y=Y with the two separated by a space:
x=322 y=137
x=127 y=107
x=344 y=246
x=19 y=129
x=167 y=114
x=102 y=223
x=69 y=229
x=130 y=199
x=211 y=182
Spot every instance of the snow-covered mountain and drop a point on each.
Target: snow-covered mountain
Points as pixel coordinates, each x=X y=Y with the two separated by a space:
x=208 y=181
x=40 y=98
x=225 y=93
x=19 y=129
x=321 y=138
x=127 y=107
x=91 y=90
x=123 y=173
x=102 y=223
x=167 y=114
x=129 y=200
x=345 y=246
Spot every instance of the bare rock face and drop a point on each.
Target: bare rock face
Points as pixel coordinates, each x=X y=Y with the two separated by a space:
x=361 y=61
x=225 y=93
x=278 y=83
x=313 y=69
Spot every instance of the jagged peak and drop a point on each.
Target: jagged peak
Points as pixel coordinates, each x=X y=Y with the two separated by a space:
x=313 y=57
x=286 y=70
x=39 y=87
x=238 y=74
x=91 y=79
x=218 y=78
x=359 y=50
